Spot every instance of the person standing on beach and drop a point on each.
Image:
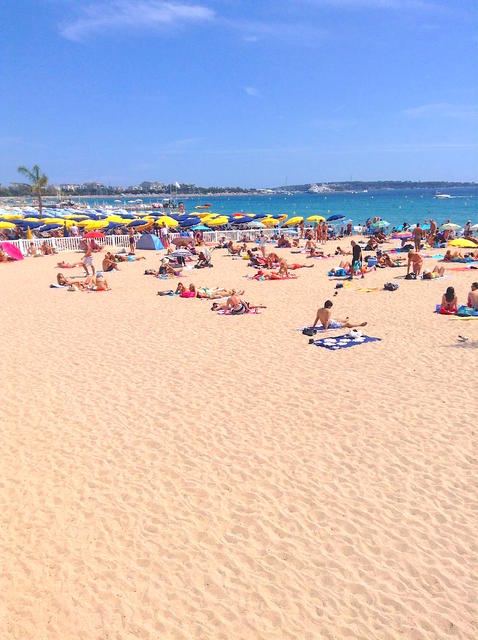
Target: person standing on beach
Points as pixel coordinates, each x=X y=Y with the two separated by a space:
x=415 y=262
x=417 y=237
x=164 y=235
x=301 y=229
x=88 y=259
x=262 y=243
x=132 y=241
x=356 y=259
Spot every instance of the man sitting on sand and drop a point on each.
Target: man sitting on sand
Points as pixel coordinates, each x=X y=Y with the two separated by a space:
x=473 y=296
x=324 y=315
x=32 y=250
x=109 y=262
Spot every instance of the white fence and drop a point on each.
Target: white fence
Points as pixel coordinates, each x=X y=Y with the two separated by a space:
x=117 y=242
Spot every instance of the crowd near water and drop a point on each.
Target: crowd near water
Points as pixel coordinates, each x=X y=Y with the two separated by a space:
x=344 y=213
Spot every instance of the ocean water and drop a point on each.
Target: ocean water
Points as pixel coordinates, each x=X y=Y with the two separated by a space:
x=395 y=206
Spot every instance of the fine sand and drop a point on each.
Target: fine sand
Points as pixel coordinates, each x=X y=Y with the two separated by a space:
x=167 y=473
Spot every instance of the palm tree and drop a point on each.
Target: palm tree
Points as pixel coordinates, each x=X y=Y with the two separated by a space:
x=38 y=180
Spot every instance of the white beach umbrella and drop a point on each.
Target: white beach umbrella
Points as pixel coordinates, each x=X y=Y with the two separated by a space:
x=450 y=226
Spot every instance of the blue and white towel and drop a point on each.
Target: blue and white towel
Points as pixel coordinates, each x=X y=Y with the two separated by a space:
x=343 y=342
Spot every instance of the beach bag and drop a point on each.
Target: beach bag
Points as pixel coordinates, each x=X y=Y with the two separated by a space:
x=308 y=331
x=411 y=276
x=390 y=286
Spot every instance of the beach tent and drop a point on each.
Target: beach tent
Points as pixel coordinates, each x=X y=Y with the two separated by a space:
x=149 y=241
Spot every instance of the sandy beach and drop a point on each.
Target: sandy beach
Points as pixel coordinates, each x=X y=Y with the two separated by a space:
x=168 y=473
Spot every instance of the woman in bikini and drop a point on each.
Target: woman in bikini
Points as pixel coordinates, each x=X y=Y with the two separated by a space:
x=449 y=302
x=438 y=272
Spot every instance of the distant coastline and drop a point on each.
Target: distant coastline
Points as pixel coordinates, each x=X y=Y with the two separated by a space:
x=96 y=190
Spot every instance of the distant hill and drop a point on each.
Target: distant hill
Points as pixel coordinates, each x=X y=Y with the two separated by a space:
x=376 y=185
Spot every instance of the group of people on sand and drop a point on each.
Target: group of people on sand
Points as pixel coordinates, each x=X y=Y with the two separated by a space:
x=96 y=282
x=449 y=301
x=44 y=250
x=234 y=303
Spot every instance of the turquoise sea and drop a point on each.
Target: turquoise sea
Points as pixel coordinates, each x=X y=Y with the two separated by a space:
x=395 y=206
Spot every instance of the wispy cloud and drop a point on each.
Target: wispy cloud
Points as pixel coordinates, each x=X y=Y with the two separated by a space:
x=443 y=110
x=252 y=91
x=297 y=33
x=115 y=15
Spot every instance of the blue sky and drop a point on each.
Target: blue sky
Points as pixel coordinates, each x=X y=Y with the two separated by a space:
x=239 y=92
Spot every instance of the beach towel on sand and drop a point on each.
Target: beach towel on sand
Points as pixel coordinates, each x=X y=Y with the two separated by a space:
x=228 y=312
x=58 y=286
x=343 y=342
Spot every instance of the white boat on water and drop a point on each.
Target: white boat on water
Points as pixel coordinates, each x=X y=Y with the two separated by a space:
x=442 y=196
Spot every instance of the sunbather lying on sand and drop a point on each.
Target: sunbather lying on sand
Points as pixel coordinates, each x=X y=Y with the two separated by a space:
x=68 y=282
x=204 y=292
x=384 y=260
x=437 y=272
x=63 y=281
x=68 y=265
x=324 y=316
x=449 y=256
x=165 y=269
x=236 y=305
x=273 y=275
x=4 y=257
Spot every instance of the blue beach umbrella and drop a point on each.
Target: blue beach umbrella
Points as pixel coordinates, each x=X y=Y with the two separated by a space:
x=138 y=223
x=51 y=227
x=335 y=217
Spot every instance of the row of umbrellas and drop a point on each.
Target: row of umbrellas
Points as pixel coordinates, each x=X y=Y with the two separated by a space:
x=107 y=220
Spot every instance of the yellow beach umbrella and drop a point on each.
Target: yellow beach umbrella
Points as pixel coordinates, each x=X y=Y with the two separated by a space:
x=171 y=222
x=292 y=221
x=316 y=219
x=12 y=216
x=7 y=225
x=204 y=215
x=95 y=224
x=270 y=222
x=217 y=222
x=463 y=243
